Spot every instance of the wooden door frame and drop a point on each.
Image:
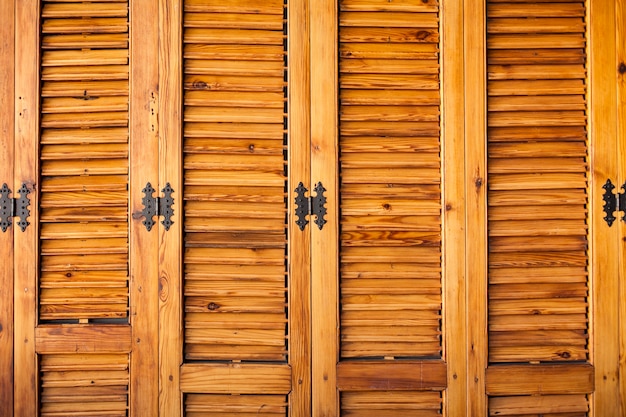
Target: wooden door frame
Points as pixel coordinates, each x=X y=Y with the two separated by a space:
x=7 y=147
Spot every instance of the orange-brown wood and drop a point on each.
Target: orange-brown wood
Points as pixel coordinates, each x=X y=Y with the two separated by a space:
x=236 y=378
x=391 y=375
x=85 y=338
x=170 y=171
x=620 y=15
x=540 y=379
x=7 y=146
x=454 y=250
x=324 y=159
x=476 y=207
x=604 y=244
x=26 y=171
x=299 y=112
x=144 y=245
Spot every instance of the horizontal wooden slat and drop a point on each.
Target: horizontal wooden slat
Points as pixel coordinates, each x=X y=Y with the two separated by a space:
x=547 y=405
x=235 y=378
x=83 y=338
x=391 y=375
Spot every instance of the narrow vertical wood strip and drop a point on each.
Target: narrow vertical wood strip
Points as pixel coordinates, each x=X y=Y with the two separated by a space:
x=7 y=141
x=170 y=170
x=454 y=257
x=620 y=35
x=144 y=143
x=299 y=241
x=26 y=168
x=475 y=198
x=324 y=245
x=604 y=247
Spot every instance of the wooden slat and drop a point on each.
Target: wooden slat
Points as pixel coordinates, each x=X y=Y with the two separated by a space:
x=391 y=403
x=235 y=378
x=552 y=405
x=83 y=339
x=197 y=405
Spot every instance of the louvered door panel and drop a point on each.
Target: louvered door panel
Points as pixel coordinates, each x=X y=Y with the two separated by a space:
x=235 y=177
x=235 y=211
x=537 y=199
x=84 y=161
x=390 y=235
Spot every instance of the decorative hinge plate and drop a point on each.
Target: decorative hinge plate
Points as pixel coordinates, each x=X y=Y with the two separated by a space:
x=613 y=202
x=314 y=205
x=157 y=206
x=14 y=207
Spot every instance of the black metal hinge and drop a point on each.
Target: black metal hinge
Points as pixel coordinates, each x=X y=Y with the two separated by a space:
x=157 y=206
x=613 y=202
x=306 y=206
x=14 y=207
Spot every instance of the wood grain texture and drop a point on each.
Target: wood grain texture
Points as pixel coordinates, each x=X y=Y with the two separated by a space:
x=144 y=245
x=7 y=147
x=604 y=164
x=170 y=242
x=391 y=375
x=476 y=204
x=52 y=339
x=324 y=160
x=542 y=379
x=620 y=33
x=299 y=110
x=27 y=54
x=234 y=378
x=453 y=186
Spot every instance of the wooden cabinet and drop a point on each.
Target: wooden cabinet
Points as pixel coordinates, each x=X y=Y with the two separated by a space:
x=461 y=264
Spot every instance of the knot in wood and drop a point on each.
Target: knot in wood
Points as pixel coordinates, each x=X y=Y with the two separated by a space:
x=213 y=306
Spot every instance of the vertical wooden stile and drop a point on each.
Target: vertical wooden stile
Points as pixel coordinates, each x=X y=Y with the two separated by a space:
x=604 y=240
x=454 y=242
x=170 y=241
x=299 y=254
x=7 y=146
x=476 y=204
x=620 y=35
x=144 y=251
x=324 y=246
x=26 y=168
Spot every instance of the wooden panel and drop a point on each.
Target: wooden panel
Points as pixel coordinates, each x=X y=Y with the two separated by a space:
x=540 y=379
x=234 y=165
x=235 y=378
x=197 y=405
x=77 y=241
x=522 y=316
x=391 y=404
x=537 y=145
x=413 y=299
x=392 y=375
x=7 y=146
x=84 y=384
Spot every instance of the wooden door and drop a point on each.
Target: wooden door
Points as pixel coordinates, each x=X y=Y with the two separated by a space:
x=387 y=266
x=234 y=280
x=85 y=329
